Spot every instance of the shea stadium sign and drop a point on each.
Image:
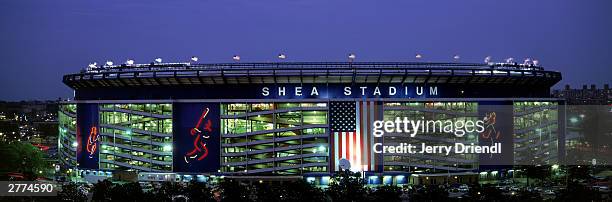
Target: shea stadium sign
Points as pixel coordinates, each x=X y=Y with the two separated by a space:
x=333 y=91
x=277 y=91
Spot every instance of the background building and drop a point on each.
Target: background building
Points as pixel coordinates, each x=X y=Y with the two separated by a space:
x=589 y=124
x=585 y=96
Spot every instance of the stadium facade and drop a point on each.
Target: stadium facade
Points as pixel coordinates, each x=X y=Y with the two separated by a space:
x=183 y=121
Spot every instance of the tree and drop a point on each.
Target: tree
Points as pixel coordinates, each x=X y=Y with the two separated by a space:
x=578 y=192
x=234 y=191
x=27 y=159
x=72 y=192
x=198 y=191
x=127 y=192
x=303 y=191
x=347 y=186
x=485 y=193
x=537 y=172
x=102 y=190
x=577 y=172
x=168 y=190
x=430 y=193
x=268 y=192
x=386 y=193
x=525 y=195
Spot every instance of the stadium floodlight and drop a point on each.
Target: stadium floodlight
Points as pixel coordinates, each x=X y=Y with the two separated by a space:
x=93 y=65
x=236 y=58
x=282 y=56
x=194 y=59
x=351 y=57
x=109 y=63
x=418 y=56
x=536 y=62
x=456 y=57
x=487 y=59
x=129 y=62
x=158 y=60
x=509 y=60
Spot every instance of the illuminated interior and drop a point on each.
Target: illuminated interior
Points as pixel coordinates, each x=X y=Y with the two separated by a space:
x=274 y=138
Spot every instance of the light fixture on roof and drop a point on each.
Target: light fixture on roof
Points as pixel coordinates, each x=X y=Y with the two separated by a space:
x=158 y=60
x=487 y=59
x=527 y=61
x=536 y=62
x=236 y=58
x=282 y=56
x=109 y=63
x=93 y=65
x=509 y=60
x=129 y=62
x=351 y=57
x=194 y=59
x=456 y=57
x=418 y=56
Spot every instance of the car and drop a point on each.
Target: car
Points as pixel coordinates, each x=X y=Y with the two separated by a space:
x=605 y=189
x=464 y=188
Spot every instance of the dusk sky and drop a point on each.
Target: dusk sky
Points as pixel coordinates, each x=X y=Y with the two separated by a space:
x=41 y=40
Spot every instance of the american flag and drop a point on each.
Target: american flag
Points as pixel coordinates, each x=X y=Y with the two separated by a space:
x=350 y=126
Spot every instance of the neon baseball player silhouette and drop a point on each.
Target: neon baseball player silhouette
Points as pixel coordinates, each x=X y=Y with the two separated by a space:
x=200 y=151
x=490 y=120
x=92 y=141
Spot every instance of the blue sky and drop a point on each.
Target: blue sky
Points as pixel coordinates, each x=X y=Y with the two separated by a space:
x=42 y=40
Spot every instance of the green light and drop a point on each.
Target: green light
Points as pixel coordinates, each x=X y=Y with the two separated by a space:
x=168 y=148
x=574 y=120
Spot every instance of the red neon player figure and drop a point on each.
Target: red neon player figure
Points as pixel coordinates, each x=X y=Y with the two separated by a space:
x=92 y=141
x=200 y=151
x=490 y=120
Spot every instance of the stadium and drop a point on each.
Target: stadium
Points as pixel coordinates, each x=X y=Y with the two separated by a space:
x=188 y=121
